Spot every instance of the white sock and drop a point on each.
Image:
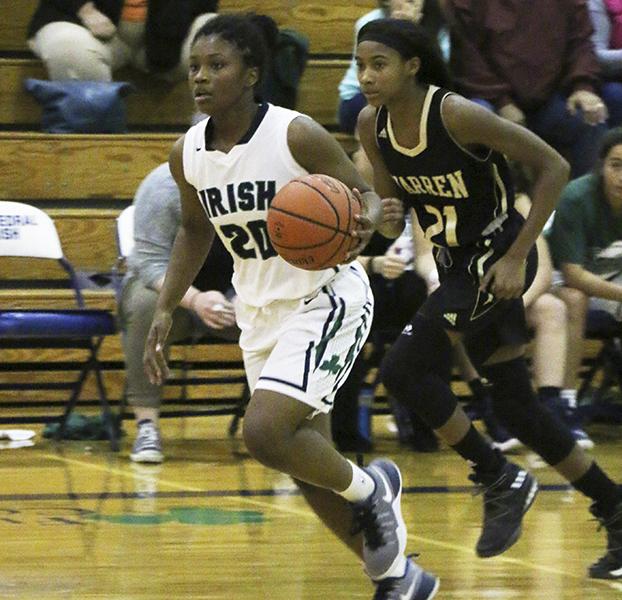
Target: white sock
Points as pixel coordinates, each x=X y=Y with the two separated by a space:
x=398 y=570
x=361 y=487
x=569 y=395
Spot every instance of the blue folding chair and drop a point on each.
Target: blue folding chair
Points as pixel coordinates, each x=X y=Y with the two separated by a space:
x=28 y=232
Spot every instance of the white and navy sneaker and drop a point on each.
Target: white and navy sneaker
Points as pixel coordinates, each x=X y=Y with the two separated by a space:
x=147 y=447
x=380 y=520
x=415 y=584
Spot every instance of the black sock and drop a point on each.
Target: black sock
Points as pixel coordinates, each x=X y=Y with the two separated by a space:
x=548 y=393
x=596 y=485
x=479 y=391
x=476 y=449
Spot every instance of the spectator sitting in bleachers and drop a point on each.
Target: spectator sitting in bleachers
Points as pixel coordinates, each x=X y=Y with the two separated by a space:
x=606 y=18
x=206 y=308
x=586 y=234
x=534 y=63
x=399 y=290
x=90 y=40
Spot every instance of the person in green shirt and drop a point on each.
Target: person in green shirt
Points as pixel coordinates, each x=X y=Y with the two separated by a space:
x=585 y=240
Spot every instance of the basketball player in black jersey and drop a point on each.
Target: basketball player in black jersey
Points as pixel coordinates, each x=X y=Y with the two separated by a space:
x=443 y=157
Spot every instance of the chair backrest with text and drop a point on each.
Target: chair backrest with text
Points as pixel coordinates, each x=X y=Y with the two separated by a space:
x=28 y=232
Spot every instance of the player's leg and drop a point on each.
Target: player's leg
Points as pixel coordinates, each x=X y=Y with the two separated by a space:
x=482 y=403
x=315 y=345
x=519 y=410
x=336 y=489
x=411 y=372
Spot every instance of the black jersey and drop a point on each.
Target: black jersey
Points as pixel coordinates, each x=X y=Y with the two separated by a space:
x=458 y=195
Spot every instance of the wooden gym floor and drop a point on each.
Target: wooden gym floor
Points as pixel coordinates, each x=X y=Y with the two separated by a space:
x=78 y=522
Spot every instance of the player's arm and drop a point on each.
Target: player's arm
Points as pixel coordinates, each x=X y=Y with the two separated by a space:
x=472 y=125
x=544 y=274
x=393 y=222
x=190 y=249
x=317 y=151
x=193 y=241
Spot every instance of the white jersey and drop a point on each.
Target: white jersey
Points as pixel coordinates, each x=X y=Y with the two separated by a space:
x=235 y=189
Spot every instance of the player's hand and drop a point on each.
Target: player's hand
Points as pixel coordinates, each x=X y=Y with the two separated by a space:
x=96 y=22
x=214 y=309
x=391 y=265
x=506 y=278
x=593 y=108
x=392 y=218
x=363 y=231
x=402 y=9
x=512 y=113
x=154 y=361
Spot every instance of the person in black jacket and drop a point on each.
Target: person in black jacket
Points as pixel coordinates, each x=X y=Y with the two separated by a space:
x=90 y=40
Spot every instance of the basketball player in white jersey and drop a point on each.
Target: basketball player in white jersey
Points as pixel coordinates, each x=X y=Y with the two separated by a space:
x=301 y=330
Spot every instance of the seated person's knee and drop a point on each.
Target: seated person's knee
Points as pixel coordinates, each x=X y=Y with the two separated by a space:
x=575 y=300
x=547 y=310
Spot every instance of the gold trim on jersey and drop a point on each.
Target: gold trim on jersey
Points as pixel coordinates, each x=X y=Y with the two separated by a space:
x=501 y=187
x=423 y=128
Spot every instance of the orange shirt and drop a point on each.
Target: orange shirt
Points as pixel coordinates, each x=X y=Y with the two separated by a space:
x=134 y=11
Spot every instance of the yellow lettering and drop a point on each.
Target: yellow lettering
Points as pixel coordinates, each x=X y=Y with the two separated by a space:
x=458 y=187
x=439 y=182
x=414 y=181
x=427 y=184
x=403 y=183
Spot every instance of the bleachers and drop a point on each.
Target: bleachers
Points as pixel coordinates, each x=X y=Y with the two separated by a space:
x=84 y=181
x=155 y=105
x=327 y=24
x=329 y=27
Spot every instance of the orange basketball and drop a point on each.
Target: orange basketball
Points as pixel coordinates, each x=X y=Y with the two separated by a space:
x=310 y=219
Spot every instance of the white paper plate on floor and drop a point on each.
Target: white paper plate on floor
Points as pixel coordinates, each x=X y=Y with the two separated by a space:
x=16 y=435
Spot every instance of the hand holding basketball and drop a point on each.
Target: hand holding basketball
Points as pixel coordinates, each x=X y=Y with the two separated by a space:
x=311 y=221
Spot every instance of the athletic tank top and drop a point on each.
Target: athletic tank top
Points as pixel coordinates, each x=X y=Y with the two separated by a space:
x=458 y=195
x=235 y=190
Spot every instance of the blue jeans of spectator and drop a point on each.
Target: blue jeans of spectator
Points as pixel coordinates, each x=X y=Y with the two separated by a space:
x=349 y=111
x=570 y=134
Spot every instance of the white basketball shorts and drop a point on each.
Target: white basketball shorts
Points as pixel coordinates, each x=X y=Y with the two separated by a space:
x=305 y=348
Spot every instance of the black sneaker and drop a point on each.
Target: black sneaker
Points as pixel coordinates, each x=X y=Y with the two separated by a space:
x=507 y=497
x=610 y=565
x=415 y=584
